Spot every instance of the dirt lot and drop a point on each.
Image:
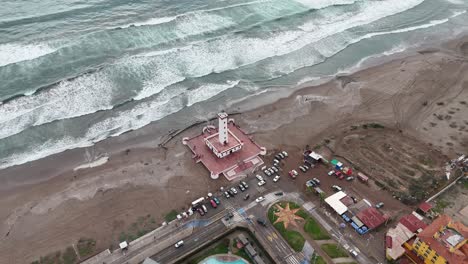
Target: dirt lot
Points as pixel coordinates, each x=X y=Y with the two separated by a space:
x=408 y=168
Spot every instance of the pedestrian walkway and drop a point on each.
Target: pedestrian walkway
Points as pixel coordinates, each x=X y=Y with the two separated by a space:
x=343 y=260
x=326 y=241
x=291 y=259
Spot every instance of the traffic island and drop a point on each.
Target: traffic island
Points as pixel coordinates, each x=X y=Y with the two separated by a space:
x=285 y=217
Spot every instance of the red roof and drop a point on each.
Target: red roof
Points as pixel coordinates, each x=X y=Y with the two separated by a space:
x=412 y=222
x=440 y=246
x=425 y=207
x=220 y=165
x=371 y=217
x=388 y=241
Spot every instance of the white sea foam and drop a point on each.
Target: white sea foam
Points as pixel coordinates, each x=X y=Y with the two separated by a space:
x=318 y=4
x=152 y=21
x=12 y=53
x=83 y=95
x=197 y=60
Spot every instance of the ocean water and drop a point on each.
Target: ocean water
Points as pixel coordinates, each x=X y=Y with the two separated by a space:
x=75 y=72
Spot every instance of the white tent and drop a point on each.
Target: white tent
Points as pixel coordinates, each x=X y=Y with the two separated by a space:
x=334 y=202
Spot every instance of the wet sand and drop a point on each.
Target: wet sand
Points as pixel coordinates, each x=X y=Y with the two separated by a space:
x=50 y=205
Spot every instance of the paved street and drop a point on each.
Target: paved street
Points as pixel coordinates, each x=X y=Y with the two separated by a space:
x=245 y=213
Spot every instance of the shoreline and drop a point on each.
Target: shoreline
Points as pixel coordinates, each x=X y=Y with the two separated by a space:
x=48 y=204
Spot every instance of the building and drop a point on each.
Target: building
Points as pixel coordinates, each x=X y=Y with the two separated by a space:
x=443 y=241
x=226 y=149
x=396 y=237
x=312 y=158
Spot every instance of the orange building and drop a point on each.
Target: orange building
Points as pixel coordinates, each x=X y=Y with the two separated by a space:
x=442 y=242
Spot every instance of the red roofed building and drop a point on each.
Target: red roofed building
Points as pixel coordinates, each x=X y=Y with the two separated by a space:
x=225 y=150
x=425 y=207
x=413 y=222
x=443 y=241
x=405 y=230
x=371 y=217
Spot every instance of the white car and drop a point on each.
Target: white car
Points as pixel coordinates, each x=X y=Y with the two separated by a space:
x=263 y=168
x=179 y=244
x=259 y=199
x=233 y=190
x=267 y=172
x=259 y=177
x=330 y=173
x=353 y=252
x=276 y=178
x=261 y=183
x=284 y=153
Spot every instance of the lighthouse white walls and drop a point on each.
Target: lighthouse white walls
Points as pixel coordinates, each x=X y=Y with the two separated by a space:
x=222 y=128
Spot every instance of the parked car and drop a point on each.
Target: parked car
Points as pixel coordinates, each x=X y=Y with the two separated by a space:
x=213 y=203
x=216 y=200
x=284 y=153
x=316 y=181
x=259 y=199
x=311 y=182
x=274 y=169
x=259 y=177
x=204 y=208
x=233 y=190
x=330 y=173
x=305 y=167
x=278 y=157
x=271 y=171
x=245 y=184
x=247 y=196
x=336 y=188
x=281 y=155
x=293 y=174
x=379 y=205
x=226 y=194
x=179 y=244
x=241 y=187
x=279 y=193
x=190 y=211
x=261 y=221
x=276 y=178
x=350 y=178
x=261 y=183
x=302 y=168
x=267 y=172
x=263 y=168
x=230 y=193
x=338 y=173
x=200 y=211
x=275 y=161
x=353 y=253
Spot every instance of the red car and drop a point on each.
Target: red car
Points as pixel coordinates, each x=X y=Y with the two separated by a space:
x=293 y=174
x=213 y=203
x=339 y=175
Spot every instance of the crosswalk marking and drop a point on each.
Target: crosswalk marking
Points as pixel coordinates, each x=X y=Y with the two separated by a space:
x=291 y=259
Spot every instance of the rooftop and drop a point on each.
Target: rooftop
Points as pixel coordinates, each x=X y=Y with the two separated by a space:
x=425 y=207
x=221 y=147
x=444 y=234
x=371 y=217
x=394 y=240
x=334 y=201
x=413 y=222
x=232 y=164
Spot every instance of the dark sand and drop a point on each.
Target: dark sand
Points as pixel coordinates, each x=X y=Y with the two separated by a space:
x=47 y=206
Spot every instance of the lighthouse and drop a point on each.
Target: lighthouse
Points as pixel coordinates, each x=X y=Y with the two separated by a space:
x=223 y=128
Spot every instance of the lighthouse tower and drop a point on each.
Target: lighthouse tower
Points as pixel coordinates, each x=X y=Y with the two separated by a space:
x=223 y=128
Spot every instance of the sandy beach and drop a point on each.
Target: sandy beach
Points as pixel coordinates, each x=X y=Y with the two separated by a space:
x=47 y=205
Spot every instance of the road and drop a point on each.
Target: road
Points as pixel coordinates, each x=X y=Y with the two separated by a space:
x=245 y=213
x=169 y=254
